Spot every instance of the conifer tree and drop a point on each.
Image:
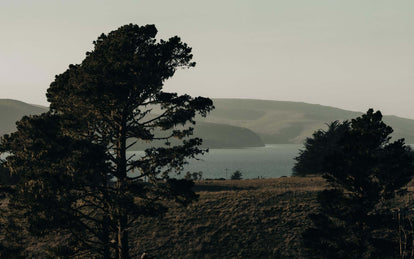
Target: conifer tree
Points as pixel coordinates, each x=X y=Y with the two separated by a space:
x=110 y=101
x=317 y=148
x=365 y=171
x=62 y=182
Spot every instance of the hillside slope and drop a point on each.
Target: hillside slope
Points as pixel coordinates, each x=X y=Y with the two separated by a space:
x=290 y=122
x=12 y=111
x=214 y=135
x=237 y=122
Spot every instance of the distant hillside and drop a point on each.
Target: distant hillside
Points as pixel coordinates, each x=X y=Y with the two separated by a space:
x=238 y=122
x=12 y=111
x=226 y=136
x=290 y=122
x=214 y=135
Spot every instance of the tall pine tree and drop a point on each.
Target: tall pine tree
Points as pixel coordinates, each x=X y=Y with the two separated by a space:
x=104 y=105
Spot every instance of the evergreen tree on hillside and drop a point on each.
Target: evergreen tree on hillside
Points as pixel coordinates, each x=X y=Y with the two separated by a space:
x=317 y=149
x=237 y=175
x=365 y=171
x=98 y=109
x=6 y=178
x=9 y=245
x=62 y=181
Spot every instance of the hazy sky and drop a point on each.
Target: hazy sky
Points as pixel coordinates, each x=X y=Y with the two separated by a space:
x=351 y=54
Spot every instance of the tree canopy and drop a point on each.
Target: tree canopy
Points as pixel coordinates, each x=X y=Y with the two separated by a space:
x=312 y=158
x=365 y=169
x=75 y=157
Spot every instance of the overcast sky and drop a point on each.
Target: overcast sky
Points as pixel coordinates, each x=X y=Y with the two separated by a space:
x=352 y=54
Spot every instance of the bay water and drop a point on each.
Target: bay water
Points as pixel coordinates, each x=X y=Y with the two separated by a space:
x=270 y=161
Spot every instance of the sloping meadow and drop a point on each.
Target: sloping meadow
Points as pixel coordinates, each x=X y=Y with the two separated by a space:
x=262 y=218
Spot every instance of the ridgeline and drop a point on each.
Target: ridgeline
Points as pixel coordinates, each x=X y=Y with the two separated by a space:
x=237 y=123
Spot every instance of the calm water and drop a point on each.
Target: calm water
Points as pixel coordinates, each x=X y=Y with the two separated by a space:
x=267 y=162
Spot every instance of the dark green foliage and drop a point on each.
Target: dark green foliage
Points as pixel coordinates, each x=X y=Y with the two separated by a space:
x=11 y=233
x=365 y=170
x=237 y=175
x=60 y=179
x=6 y=178
x=75 y=172
x=317 y=149
x=346 y=228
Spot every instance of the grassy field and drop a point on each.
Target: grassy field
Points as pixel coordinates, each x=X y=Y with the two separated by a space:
x=234 y=219
x=261 y=218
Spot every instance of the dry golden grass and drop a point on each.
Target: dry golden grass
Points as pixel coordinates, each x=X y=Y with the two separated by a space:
x=261 y=218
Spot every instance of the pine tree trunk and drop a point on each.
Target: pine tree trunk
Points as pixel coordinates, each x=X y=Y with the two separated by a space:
x=123 y=249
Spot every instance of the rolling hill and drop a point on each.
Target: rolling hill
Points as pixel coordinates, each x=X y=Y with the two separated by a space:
x=291 y=122
x=214 y=135
x=12 y=110
x=243 y=122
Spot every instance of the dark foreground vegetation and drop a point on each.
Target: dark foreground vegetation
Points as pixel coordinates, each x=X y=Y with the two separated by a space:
x=365 y=170
x=232 y=219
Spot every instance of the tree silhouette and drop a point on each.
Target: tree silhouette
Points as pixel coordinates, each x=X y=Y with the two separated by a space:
x=365 y=171
x=316 y=150
x=6 y=178
x=9 y=244
x=62 y=180
x=237 y=175
x=110 y=101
